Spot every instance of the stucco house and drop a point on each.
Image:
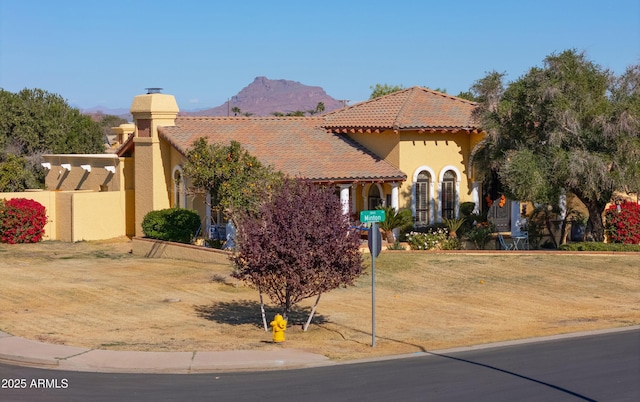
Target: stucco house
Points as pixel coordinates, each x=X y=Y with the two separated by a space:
x=409 y=149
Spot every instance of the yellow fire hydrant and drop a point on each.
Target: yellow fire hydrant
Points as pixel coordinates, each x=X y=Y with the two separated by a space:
x=279 y=325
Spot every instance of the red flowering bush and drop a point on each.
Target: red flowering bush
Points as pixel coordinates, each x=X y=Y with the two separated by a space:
x=623 y=226
x=21 y=221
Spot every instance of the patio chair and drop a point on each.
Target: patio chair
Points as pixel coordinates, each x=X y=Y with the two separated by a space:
x=524 y=241
x=503 y=243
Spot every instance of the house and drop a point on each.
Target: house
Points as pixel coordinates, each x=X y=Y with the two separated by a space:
x=409 y=149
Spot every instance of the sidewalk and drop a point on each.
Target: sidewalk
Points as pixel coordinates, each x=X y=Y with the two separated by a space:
x=24 y=352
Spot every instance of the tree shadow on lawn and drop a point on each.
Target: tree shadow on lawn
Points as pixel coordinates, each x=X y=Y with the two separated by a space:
x=248 y=312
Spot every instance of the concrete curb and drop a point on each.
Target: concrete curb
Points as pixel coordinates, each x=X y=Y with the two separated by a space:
x=24 y=352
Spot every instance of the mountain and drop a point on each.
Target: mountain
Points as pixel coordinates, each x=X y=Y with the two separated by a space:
x=98 y=112
x=263 y=97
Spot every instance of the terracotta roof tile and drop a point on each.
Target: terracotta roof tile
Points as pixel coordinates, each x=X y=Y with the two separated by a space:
x=412 y=108
x=297 y=146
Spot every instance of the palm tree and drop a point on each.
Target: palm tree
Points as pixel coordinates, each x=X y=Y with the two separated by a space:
x=394 y=219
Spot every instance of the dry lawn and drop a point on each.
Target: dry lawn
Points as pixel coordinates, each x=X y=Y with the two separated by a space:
x=97 y=295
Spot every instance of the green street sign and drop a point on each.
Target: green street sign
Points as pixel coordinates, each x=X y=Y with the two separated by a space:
x=376 y=215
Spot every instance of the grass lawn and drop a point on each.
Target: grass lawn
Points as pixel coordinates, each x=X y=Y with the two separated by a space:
x=98 y=295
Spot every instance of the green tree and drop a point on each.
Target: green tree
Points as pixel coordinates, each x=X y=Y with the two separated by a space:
x=236 y=110
x=33 y=122
x=107 y=121
x=468 y=95
x=236 y=180
x=570 y=125
x=15 y=174
x=384 y=89
x=319 y=109
x=298 y=245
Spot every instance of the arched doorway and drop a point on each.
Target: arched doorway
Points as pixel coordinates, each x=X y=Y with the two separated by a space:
x=374 y=197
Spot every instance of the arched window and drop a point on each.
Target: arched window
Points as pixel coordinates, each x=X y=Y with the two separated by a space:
x=374 y=197
x=179 y=188
x=423 y=198
x=448 y=195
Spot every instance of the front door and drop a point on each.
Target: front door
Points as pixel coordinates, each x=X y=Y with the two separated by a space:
x=500 y=215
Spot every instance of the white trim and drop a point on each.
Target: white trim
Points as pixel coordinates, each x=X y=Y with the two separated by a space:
x=86 y=167
x=46 y=165
x=457 y=202
x=475 y=196
x=394 y=195
x=111 y=169
x=66 y=166
x=344 y=197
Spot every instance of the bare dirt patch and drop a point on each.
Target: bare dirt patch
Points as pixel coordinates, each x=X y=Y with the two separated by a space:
x=98 y=295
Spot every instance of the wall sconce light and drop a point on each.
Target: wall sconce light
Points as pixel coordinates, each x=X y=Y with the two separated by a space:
x=111 y=169
x=66 y=166
x=46 y=165
x=86 y=167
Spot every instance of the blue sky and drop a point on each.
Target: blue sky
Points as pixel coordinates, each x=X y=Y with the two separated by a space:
x=104 y=53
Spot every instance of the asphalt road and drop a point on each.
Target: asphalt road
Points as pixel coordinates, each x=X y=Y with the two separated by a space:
x=590 y=368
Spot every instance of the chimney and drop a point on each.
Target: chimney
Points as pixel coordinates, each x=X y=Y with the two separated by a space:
x=150 y=111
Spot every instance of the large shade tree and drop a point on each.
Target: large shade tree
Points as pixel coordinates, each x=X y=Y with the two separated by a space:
x=299 y=245
x=568 y=126
x=34 y=122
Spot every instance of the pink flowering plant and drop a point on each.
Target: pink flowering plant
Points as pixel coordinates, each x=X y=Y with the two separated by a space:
x=21 y=221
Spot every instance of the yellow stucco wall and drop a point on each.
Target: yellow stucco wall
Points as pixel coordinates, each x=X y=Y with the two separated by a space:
x=98 y=215
x=79 y=215
x=410 y=150
x=438 y=151
x=384 y=144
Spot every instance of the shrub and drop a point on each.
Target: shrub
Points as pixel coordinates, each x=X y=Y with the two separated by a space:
x=481 y=234
x=22 y=221
x=172 y=224
x=623 y=226
x=433 y=239
x=595 y=246
x=395 y=246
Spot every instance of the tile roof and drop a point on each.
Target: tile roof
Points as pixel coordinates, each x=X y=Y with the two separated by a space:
x=297 y=146
x=411 y=108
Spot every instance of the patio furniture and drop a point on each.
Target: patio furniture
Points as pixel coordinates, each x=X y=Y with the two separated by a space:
x=504 y=244
x=521 y=241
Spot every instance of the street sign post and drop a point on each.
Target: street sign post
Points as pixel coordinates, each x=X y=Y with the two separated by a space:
x=374 y=240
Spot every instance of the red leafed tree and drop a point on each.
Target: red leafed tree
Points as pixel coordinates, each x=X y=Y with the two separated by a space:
x=298 y=245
